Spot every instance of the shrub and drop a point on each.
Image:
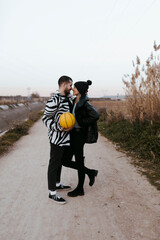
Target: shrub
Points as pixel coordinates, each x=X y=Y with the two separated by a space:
x=142 y=139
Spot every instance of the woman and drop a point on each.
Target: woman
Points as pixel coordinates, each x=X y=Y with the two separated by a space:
x=86 y=117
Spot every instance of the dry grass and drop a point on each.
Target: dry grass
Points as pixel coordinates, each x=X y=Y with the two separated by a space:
x=143 y=89
x=114 y=110
x=110 y=105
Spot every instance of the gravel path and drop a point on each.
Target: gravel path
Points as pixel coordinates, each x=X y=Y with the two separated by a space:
x=121 y=205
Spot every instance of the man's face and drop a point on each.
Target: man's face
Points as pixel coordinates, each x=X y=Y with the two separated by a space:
x=75 y=91
x=68 y=87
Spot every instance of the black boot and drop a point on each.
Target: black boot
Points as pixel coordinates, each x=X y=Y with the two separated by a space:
x=92 y=175
x=76 y=192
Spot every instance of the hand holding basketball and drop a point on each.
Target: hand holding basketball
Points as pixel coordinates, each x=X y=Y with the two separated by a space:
x=67 y=120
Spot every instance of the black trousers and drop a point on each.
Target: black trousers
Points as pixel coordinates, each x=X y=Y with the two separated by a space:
x=55 y=165
x=76 y=149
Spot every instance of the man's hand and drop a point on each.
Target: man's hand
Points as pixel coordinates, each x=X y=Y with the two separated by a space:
x=67 y=129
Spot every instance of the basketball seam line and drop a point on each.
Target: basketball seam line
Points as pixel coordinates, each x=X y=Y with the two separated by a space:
x=65 y=120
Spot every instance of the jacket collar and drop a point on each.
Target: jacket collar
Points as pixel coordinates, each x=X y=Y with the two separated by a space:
x=82 y=100
x=58 y=93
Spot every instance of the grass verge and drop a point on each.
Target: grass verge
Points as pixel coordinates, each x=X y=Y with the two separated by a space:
x=139 y=140
x=18 y=130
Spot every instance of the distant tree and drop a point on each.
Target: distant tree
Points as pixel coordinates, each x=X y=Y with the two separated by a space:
x=35 y=95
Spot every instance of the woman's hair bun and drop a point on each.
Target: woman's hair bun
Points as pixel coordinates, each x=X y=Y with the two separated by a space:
x=89 y=82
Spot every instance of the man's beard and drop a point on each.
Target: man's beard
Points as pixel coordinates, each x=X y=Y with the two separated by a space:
x=66 y=92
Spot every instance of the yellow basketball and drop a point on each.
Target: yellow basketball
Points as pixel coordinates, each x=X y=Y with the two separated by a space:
x=67 y=120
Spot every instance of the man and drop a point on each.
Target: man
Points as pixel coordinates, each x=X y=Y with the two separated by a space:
x=59 y=137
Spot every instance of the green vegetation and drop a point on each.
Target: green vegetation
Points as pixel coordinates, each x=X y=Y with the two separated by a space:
x=18 y=130
x=141 y=140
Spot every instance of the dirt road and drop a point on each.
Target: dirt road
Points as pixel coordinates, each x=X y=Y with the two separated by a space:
x=121 y=205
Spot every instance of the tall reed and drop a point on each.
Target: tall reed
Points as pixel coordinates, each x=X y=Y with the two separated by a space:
x=143 y=89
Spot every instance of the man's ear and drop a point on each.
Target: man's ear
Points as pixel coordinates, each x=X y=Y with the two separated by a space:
x=63 y=84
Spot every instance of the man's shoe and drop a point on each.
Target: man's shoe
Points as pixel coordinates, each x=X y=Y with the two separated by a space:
x=76 y=192
x=63 y=187
x=57 y=199
x=92 y=177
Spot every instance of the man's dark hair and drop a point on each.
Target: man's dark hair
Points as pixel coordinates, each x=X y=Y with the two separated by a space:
x=64 y=79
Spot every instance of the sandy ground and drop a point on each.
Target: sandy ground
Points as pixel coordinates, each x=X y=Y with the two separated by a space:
x=121 y=205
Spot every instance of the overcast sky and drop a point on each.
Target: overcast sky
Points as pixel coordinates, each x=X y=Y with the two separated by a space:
x=40 y=40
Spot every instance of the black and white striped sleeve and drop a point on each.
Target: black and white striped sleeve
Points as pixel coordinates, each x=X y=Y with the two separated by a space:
x=50 y=117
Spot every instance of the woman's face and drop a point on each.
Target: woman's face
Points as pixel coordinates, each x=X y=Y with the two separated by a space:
x=75 y=91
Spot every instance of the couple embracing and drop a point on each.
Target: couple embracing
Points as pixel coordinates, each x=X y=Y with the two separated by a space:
x=66 y=143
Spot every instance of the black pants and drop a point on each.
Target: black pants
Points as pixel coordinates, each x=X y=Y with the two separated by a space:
x=55 y=165
x=76 y=149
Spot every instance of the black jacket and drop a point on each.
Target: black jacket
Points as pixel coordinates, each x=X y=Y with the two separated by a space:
x=87 y=116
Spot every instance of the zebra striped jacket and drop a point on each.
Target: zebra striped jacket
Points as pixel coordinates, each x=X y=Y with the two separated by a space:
x=57 y=105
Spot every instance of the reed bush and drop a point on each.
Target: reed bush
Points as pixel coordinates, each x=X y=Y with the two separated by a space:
x=138 y=130
x=143 y=89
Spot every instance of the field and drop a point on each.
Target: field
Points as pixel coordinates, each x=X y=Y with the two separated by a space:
x=108 y=106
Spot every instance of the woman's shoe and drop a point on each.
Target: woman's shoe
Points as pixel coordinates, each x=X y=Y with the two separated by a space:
x=76 y=192
x=92 y=176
